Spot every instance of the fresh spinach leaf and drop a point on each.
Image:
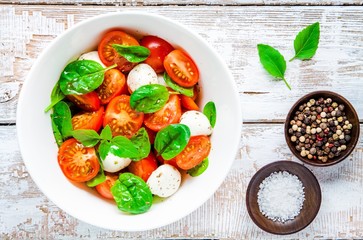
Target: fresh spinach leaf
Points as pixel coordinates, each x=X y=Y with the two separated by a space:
x=123 y=147
x=82 y=76
x=55 y=97
x=199 y=169
x=133 y=54
x=88 y=137
x=149 y=98
x=210 y=111
x=171 y=140
x=142 y=143
x=306 y=42
x=62 y=118
x=100 y=178
x=132 y=194
x=273 y=62
x=57 y=134
x=183 y=90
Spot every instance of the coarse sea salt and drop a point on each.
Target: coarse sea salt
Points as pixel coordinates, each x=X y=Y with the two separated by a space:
x=281 y=196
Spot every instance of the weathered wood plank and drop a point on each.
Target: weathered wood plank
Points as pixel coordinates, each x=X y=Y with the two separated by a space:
x=187 y=2
x=232 y=31
x=25 y=213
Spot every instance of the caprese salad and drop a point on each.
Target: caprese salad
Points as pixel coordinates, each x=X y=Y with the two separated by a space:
x=126 y=120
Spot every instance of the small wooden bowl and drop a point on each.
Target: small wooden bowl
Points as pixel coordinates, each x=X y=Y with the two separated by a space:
x=311 y=203
x=350 y=113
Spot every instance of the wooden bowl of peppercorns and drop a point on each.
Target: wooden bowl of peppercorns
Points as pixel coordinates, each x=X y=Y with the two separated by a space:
x=322 y=128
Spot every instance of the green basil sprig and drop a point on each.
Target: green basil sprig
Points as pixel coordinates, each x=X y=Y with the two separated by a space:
x=82 y=76
x=61 y=122
x=55 y=97
x=210 y=111
x=132 y=194
x=149 y=98
x=133 y=54
x=306 y=42
x=183 y=90
x=171 y=140
x=273 y=62
x=199 y=169
x=88 y=137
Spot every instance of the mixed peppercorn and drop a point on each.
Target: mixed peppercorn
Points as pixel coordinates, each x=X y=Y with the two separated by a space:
x=320 y=129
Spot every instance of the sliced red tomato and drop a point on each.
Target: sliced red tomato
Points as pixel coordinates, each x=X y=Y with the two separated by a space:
x=181 y=68
x=170 y=113
x=77 y=162
x=188 y=103
x=172 y=161
x=114 y=83
x=108 y=54
x=144 y=167
x=88 y=120
x=121 y=118
x=104 y=189
x=151 y=134
x=87 y=102
x=195 y=152
x=159 y=48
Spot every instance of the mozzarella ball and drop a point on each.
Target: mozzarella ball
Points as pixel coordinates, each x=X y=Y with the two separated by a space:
x=141 y=75
x=92 y=56
x=113 y=163
x=164 y=181
x=197 y=122
x=161 y=80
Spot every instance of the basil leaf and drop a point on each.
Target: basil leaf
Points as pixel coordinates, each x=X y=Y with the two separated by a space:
x=104 y=149
x=273 y=62
x=82 y=76
x=142 y=143
x=132 y=194
x=106 y=133
x=149 y=98
x=133 y=54
x=171 y=140
x=88 y=137
x=123 y=147
x=55 y=97
x=62 y=118
x=306 y=42
x=100 y=178
x=210 y=111
x=183 y=90
x=57 y=134
x=199 y=169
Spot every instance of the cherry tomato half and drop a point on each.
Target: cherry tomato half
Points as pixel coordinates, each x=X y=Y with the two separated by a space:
x=109 y=55
x=195 y=152
x=104 y=189
x=144 y=167
x=77 y=162
x=181 y=68
x=170 y=113
x=114 y=83
x=88 y=120
x=87 y=102
x=159 y=48
x=121 y=118
x=188 y=103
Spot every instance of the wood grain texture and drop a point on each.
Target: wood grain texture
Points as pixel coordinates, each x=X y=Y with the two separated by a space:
x=187 y=2
x=233 y=32
x=25 y=213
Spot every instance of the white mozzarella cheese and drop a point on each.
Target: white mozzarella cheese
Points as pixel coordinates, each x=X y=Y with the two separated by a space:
x=92 y=56
x=197 y=122
x=113 y=163
x=142 y=74
x=164 y=181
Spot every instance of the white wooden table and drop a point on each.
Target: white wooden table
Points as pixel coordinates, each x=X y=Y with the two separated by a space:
x=233 y=28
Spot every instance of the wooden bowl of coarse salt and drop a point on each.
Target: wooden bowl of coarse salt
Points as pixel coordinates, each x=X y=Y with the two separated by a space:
x=283 y=197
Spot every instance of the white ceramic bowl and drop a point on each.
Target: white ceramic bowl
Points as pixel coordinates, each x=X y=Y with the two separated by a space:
x=39 y=150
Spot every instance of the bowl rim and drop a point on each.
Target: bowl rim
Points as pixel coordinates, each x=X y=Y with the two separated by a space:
x=287 y=123
x=77 y=26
